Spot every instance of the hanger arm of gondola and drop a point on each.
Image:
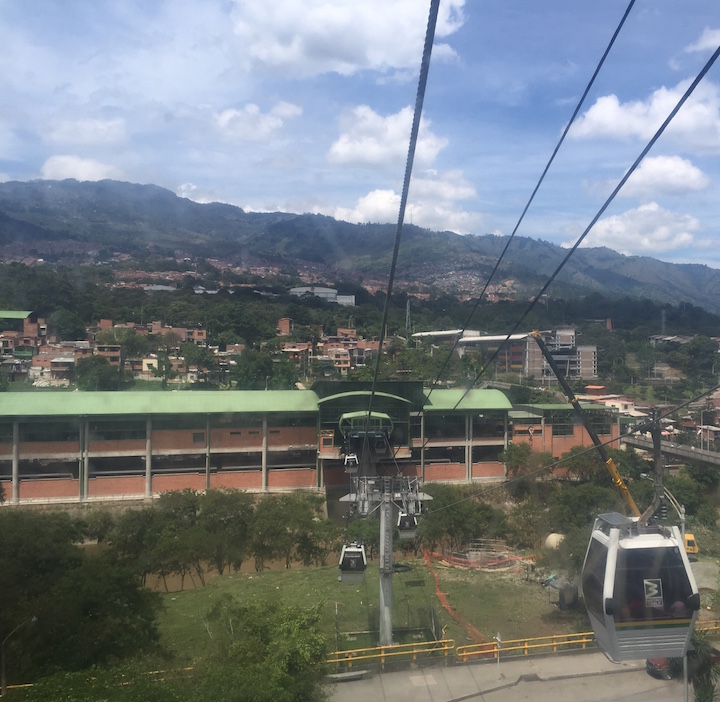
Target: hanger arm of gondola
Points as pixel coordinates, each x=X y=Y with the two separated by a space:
x=617 y=480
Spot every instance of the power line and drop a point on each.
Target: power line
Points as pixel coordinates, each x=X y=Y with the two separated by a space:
x=601 y=211
x=537 y=187
x=419 y=98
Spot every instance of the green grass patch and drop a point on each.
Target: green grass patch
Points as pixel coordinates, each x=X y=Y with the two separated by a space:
x=492 y=602
x=507 y=603
x=349 y=611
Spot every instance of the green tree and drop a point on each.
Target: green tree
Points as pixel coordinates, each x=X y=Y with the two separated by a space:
x=702 y=672
x=269 y=651
x=524 y=467
x=577 y=506
x=86 y=609
x=456 y=517
x=68 y=324
x=95 y=373
x=227 y=519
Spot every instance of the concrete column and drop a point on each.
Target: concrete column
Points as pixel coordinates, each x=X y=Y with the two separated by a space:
x=386 y=570
x=81 y=461
x=506 y=431
x=468 y=448
x=264 y=452
x=148 y=457
x=16 y=463
x=85 y=448
x=207 y=453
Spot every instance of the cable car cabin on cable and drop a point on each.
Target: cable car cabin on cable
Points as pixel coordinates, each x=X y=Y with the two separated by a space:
x=353 y=563
x=639 y=589
x=406 y=525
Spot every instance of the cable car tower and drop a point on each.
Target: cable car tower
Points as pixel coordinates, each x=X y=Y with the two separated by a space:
x=366 y=439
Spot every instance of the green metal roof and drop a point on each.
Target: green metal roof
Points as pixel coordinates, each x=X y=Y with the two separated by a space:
x=474 y=400
x=361 y=393
x=63 y=404
x=15 y=314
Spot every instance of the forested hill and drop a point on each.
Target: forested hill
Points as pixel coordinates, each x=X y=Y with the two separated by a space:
x=109 y=217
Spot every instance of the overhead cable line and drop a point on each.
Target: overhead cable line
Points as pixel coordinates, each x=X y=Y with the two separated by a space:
x=422 y=82
x=600 y=212
x=535 y=190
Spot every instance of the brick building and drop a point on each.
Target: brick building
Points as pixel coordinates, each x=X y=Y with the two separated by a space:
x=104 y=445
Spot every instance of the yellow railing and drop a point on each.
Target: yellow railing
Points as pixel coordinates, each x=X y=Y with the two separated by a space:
x=711 y=626
x=381 y=653
x=524 y=647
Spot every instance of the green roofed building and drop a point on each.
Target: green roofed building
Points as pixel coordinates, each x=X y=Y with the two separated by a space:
x=85 y=446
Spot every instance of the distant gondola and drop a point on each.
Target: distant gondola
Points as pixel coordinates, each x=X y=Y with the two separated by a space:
x=407 y=525
x=639 y=589
x=353 y=563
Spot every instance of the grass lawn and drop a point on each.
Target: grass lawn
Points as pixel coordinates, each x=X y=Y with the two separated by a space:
x=507 y=603
x=493 y=602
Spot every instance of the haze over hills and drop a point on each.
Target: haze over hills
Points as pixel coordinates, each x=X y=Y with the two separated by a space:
x=76 y=222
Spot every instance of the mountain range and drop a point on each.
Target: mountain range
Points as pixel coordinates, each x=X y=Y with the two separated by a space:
x=73 y=221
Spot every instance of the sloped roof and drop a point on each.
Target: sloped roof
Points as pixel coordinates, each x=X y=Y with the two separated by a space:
x=59 y=404
x=459 y=400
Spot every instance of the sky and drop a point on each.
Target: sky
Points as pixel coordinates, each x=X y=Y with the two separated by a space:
x=306 y=106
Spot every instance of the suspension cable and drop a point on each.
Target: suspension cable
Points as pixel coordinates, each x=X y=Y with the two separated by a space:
x=535 y=190
x=600 y=212
x=422 y=82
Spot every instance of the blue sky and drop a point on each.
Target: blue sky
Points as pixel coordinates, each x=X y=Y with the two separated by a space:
x=305 y=106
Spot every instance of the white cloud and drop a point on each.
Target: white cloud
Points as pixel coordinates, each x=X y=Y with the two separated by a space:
x=4 y=178
x=370 y=139
x=250 y=124
x=68 y=166
x=190 y=191
x=709 y=41
x=648 y=229
x=695 y=127
x=88 y=131
x=664 y=175
x=433 y=203
x=341 y=36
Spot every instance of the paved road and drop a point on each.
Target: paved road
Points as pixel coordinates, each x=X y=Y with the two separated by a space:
x=580 y=676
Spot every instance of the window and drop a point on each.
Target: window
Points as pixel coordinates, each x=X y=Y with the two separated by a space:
x=593 y=577
x=651 y=583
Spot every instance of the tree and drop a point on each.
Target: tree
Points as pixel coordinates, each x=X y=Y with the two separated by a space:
x=86 y=609
x=578 y=505
x=703 y=673
x=227 y=518
x=456 y=517
x=269 y=651
x=95 y=373
x=67 y=324
x=523 y=466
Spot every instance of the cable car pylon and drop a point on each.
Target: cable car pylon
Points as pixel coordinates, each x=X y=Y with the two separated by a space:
x=384 y=495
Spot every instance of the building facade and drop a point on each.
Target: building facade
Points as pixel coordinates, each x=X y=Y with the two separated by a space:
x=98 y=446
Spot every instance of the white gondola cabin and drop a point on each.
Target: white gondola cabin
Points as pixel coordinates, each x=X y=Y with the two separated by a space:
x=353 y=563
x=639 y=589
x=406 y=525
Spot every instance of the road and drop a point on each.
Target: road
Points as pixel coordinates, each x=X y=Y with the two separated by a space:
x=633 y=687
x=589 y=677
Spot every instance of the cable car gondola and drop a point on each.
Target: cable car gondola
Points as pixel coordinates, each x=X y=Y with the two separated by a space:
x=353 y=563
x=639 y=589
x=406 y=525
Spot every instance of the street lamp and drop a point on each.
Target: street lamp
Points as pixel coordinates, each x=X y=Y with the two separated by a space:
x=3 y=682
